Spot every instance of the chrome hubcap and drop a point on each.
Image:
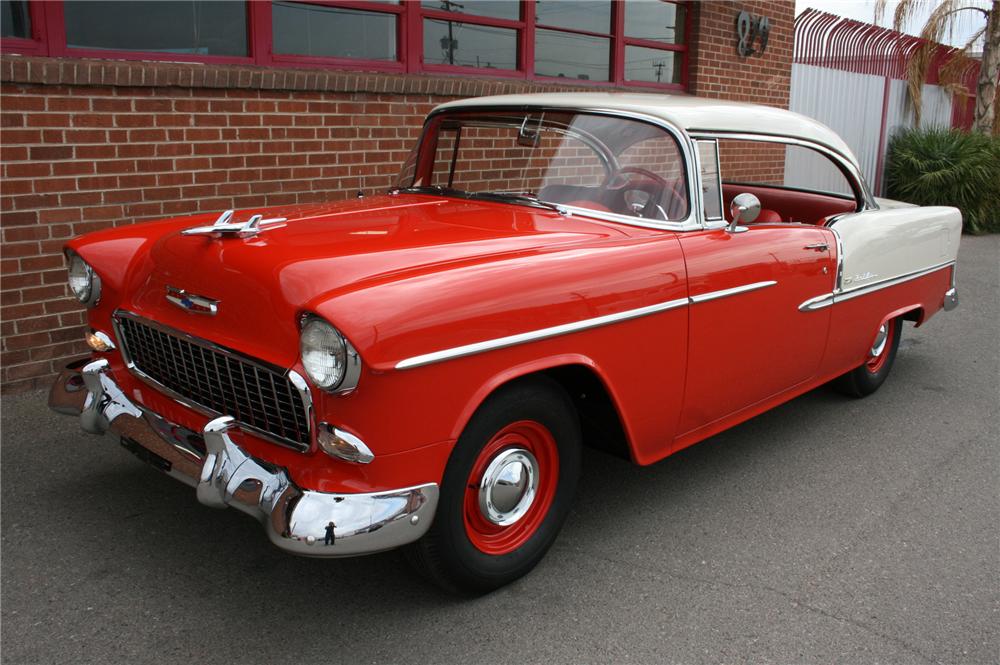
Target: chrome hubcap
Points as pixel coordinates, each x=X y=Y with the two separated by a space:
x=880 y=339
x=508 y=486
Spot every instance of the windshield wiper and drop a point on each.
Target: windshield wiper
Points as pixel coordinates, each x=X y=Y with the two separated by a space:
x=507 y=197
x=522 y=197
x=429 y=189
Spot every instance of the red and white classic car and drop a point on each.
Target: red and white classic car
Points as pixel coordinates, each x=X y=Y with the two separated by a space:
x=421 y=368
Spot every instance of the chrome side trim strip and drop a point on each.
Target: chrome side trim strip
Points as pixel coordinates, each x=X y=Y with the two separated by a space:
x=819 y=302
x=554 y=331
x=828 y=299
x=712 y=295
x=544 y=333
x=886 y=283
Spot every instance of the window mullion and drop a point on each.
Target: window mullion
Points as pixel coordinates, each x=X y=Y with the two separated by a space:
x=618 y=42
x=55 y=28
x=414 y=37
x=527 y=44
x=260 y=34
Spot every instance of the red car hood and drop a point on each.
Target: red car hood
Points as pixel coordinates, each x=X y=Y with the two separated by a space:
x=262 y=283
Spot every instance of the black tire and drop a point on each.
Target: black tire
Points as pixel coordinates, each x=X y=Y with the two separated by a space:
x=862 y=380
x=447 y=555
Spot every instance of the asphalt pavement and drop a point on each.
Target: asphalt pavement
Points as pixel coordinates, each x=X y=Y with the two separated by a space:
x=828 y=530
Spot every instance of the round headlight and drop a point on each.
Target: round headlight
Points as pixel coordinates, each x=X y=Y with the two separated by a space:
x=324 y=353
x=83 y=281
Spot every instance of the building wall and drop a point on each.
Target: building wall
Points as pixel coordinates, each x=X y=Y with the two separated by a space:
x=764 y=79
x=87 y=144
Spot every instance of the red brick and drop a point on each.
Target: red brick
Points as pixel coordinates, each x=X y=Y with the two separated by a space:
x=29 y=370
x=93 y=120
x=58 y=215
x=68 y=104
x=37 y=324
x=72 y=168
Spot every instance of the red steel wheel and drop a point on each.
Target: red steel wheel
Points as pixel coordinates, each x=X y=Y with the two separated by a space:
x=867 y=377
x=879 y=352
x=506 y=490
x=511 y=486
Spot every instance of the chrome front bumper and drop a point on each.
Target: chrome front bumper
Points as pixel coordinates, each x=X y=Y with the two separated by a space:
x=296 y=520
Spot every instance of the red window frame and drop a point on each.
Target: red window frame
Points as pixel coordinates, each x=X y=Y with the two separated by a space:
x=37 y=44
x=49 y=39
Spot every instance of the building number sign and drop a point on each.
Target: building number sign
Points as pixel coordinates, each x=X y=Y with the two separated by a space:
x=750 y=28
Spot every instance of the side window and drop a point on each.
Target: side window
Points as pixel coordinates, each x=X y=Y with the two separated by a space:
x=808 y=169
x=780 y=165
x=711 y=179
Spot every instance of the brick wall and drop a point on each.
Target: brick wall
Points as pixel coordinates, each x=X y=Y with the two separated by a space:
x=716 y=69
x=86 y=144
x=762 y=79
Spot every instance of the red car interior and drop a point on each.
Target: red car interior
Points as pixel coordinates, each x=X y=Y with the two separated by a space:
x=777 y=203
x=788 y=205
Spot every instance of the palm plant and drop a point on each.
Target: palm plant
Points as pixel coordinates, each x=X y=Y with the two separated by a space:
x=942 y=16
x=940 y=166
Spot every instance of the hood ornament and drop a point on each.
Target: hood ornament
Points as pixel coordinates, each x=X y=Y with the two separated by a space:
x=192 y=302
x=225 y=227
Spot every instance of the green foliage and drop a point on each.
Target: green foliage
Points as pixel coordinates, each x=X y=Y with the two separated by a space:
x=948 y=167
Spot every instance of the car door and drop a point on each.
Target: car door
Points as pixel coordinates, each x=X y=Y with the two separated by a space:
x=748 y=340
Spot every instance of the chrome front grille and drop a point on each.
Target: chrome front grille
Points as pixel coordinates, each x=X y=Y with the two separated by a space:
x=260 y=397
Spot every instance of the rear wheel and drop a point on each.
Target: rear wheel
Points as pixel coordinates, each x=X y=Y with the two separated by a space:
x=866 y=379
x=506 y=490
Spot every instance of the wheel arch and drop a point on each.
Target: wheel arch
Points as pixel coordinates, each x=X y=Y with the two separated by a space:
x=914 y=312
x=593 y=397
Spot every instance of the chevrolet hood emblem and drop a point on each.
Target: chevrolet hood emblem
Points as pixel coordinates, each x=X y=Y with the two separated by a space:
x=192 y=302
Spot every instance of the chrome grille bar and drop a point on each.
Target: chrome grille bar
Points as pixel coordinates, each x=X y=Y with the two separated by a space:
x=217 y=381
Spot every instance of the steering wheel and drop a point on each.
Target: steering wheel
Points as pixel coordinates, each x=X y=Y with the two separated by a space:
x=652 y=185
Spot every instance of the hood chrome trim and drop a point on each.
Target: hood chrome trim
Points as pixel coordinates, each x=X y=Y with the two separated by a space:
x=223 y=226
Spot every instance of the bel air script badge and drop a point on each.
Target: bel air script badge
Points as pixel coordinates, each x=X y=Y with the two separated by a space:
x=191 y=302
x=860 y=278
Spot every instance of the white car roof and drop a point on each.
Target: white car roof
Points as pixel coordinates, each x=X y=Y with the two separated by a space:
x=688 y=112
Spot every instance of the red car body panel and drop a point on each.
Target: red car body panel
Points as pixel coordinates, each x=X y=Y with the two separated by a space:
x=407 y=275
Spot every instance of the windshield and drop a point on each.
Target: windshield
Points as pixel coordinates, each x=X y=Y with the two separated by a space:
x=600 y=163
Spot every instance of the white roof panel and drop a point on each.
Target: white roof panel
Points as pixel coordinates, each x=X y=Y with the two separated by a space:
x=688 y=112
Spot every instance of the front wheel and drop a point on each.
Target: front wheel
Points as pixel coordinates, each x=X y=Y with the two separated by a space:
x=866 y=379
x=506 y=490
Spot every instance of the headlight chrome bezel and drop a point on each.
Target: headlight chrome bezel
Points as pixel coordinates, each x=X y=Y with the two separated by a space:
x=92 y=294
x=351 y=373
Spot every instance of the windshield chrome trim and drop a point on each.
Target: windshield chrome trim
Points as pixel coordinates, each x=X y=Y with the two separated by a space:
x=691 y=222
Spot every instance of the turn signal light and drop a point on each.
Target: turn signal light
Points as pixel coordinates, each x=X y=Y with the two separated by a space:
x=99 y=341
x=343 y=445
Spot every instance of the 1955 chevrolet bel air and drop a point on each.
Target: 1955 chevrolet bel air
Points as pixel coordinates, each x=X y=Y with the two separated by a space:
x=421 y=368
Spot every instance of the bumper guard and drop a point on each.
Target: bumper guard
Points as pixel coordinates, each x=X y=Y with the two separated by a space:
x=300 y=521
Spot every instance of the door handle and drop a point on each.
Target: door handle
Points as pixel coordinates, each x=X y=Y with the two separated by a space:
x=818 y=246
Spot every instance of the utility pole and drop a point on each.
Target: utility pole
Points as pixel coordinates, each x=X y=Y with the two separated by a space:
x=658 y=66
x=451 y=44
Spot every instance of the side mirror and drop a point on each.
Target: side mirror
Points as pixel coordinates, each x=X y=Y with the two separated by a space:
x=744 y=208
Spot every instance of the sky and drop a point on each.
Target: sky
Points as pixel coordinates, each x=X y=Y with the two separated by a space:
x=864 y=10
